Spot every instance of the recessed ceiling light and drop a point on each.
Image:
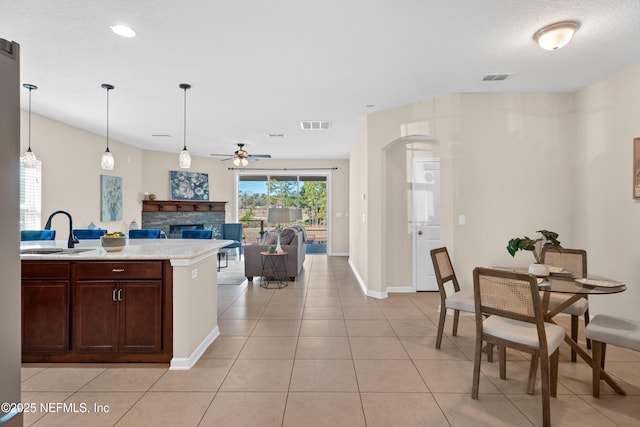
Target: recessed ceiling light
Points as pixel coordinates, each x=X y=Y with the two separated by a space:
x=123 y=30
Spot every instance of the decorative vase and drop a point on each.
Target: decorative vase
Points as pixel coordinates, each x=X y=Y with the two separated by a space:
x=539 y=270
x=279 y=249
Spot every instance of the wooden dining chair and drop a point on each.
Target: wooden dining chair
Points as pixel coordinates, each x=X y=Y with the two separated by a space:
x=516 y=320
x=575 y=261
x=455 y=299
x=604 y=329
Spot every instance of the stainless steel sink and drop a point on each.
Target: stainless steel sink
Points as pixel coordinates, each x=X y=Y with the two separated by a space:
x=53 y=251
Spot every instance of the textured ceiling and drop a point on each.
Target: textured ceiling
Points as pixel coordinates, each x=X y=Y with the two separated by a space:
x=260 y=67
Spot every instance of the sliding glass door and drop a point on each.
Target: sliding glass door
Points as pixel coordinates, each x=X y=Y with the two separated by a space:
x=258 y=192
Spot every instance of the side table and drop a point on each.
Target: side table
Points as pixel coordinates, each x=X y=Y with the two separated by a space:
x=274 y=269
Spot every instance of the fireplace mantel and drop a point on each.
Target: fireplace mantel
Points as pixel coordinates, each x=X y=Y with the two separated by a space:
x=163 y=214
x=182 y=206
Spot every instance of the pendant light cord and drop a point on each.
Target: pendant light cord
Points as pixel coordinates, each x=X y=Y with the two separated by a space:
x=29 y=118
x=107 y=119
x=30 y=87
x=185 y=86
x=107 y=87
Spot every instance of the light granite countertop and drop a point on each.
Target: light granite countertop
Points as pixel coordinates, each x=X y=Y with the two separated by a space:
x=136 y=249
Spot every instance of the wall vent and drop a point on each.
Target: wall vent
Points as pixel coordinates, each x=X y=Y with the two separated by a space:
x=315 y=124
x=495 y=77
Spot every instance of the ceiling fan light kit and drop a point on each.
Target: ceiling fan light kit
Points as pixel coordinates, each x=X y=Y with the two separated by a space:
x=555 y=36
x=241 y=157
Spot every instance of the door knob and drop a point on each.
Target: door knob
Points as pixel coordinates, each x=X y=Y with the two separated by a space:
x=419 y=232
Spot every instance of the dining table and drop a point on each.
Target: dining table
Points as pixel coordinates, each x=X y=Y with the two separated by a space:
x=577 y=288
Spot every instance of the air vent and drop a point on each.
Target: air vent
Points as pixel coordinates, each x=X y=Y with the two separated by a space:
x=276 y=135
x=161 y=135
x=495 y=77
x=315 y=124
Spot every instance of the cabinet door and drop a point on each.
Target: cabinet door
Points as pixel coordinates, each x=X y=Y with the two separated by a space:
x=45 y=316
x=95 y=317
x=140 y=316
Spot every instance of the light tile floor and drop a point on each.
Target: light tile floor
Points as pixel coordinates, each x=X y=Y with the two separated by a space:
x=320 y=353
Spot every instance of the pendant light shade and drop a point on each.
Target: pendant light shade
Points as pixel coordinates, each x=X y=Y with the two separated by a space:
x=185 y=158
x=29 y=157
x=107 y=162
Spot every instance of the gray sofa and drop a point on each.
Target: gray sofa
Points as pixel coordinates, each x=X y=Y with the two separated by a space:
x=293 y=240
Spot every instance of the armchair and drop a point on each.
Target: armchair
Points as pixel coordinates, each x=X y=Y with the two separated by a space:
x=233 y=231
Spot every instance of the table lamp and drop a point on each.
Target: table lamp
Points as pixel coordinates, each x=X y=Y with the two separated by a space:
x=279 y=216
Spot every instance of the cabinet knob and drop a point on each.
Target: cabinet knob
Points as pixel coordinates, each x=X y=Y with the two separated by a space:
x=117 y=270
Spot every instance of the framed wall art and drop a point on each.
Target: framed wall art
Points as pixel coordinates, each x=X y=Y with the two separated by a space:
x=636 y=168
x=110 y=198
x=189 y=185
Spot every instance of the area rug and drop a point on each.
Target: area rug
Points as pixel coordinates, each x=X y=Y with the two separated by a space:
x=233 y=274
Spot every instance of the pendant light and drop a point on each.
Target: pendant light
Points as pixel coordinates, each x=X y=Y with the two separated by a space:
x=29 y=157
x=185 y=157
x=107 y=160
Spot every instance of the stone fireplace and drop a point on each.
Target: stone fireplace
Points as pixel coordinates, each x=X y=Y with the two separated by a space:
x=172 y=216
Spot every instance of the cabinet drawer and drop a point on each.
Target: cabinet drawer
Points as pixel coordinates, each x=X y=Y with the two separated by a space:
x=118 y=270
x=45 y=270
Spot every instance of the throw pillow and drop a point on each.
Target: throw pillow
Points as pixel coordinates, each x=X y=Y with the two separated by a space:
x=270 y=238
x=286 y=236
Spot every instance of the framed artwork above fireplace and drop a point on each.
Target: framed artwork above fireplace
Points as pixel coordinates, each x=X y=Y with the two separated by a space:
x=189 y=185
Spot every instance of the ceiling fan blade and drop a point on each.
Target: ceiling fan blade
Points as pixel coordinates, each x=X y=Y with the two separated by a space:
x=221 y=155
x=262 y=156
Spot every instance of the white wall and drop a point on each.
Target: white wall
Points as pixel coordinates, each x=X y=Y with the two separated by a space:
x=71 y=174
x=513 y=163
x=608 y=219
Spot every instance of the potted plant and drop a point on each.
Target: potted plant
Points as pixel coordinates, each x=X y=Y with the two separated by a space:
x=549 y=239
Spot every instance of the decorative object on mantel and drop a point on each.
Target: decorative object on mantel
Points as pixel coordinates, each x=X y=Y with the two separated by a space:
x=549 y=239
x=107 y=162
x=185 y=158
x=29 y=157
x=189 y=185
x=110 y=198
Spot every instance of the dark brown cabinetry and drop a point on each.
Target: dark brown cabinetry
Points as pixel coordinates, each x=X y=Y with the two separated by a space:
x=113 y=311
x=117 y=307
x=45 y=307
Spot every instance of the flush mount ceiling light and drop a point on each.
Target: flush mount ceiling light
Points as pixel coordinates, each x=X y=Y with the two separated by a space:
x=29 y=157
x=107 y=162
x=185 y=157
x=123 y=30
x=555 y=36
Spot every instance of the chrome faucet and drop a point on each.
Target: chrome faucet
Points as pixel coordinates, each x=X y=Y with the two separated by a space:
x=72 y=239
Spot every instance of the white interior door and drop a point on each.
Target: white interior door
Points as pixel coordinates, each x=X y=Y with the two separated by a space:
x=426 y=214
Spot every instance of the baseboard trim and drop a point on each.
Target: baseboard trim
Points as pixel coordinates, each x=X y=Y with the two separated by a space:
x=186 y=363
x=363 y=285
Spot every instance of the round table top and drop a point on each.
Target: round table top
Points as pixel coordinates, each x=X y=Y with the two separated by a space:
x=273 y=253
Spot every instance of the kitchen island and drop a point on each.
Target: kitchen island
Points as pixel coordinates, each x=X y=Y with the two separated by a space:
x=153 y=301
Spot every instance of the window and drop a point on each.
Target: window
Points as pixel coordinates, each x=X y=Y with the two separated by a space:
x=30 y=197
x=257 y=193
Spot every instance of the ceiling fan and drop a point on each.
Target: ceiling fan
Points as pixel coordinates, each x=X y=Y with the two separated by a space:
x=241 y=157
